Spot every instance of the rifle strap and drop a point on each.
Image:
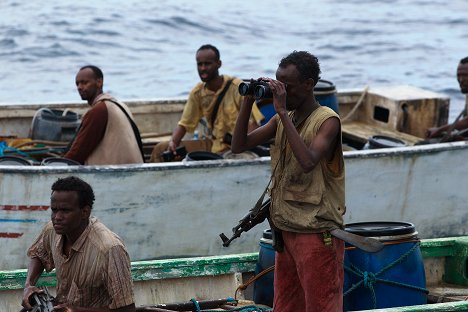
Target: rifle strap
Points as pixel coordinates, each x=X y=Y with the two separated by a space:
x=259 y=203
x=214 y=113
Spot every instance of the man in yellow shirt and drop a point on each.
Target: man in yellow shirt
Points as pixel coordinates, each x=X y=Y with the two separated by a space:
x=217 y=99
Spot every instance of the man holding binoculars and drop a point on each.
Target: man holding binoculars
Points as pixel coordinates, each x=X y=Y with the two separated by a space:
x=307 y=188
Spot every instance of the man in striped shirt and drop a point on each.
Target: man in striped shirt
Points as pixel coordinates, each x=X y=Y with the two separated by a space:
x=91 y=262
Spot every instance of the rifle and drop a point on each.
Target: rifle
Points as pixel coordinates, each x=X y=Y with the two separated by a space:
x=256 y=215
x=41 y=302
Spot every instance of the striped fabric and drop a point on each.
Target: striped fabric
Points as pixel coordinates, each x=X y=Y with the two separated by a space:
x=97 y=272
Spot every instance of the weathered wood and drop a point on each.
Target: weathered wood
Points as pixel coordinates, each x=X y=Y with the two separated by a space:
x=361 y=131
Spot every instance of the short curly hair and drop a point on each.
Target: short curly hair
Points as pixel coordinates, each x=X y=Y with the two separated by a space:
x=306 y=63
x=210 y=47
x=96 y=70
x=84 y=190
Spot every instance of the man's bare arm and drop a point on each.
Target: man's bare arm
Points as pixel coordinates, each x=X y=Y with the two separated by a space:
x=177 y=136
x=243 y=140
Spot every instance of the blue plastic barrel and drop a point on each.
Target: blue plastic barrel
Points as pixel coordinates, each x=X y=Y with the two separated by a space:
x=325 y=94
x=263 y=287
x=268 y=111
x=392 y=277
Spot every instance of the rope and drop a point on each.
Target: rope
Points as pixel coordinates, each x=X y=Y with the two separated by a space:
x=253 y=279
x=195 y=302
x=4 y=150
x=358 y=103
x=45 y=142
x=369 y=278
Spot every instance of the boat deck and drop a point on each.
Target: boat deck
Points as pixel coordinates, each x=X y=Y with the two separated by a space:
x=447 y=293
x=361 y=131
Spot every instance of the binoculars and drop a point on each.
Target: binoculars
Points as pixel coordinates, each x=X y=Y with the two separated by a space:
x=259 y=89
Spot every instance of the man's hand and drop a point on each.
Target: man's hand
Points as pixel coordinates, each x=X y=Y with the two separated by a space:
x=177 y=136
x=279 y=95
x=172 y=147
x=64 y=307
x=27 y=293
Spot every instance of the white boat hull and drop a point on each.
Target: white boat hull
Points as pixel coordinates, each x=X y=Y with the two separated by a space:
x=172 y=210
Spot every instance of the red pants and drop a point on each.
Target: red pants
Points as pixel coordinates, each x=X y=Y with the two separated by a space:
x=309 y=275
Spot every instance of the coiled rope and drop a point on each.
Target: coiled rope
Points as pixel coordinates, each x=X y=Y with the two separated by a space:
x=368 y=279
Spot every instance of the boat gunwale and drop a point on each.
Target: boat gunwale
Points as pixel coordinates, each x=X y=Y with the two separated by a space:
x=225 y=264
x=161 y=166
x=153 y=269
x=359 y=154
x=344 y=92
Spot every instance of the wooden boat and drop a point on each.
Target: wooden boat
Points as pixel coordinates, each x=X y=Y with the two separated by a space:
x=178 y=209
x=214 y=277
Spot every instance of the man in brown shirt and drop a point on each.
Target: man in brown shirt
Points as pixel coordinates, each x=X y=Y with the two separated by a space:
x=106 y=135
x=91 y=262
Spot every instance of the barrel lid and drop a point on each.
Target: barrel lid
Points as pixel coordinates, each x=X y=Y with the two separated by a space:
x=380 y=228
x=58 y=115
x=267 y=237
x=267 y=234
x=383 y=141
x=324 y=85
x=59 y=161
x=14 y=161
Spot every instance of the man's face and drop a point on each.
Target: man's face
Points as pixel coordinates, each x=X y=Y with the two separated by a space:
x=462 y=76
x=297 y=90
x=67 y=216
x=88 y=85
x=207 y=65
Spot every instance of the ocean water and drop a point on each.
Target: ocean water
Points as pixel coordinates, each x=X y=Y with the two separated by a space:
x=147 y=48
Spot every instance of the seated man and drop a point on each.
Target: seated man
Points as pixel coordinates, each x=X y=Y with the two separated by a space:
x=461 y=123
x=217 y=99
x=91 y=262
x=108 y=134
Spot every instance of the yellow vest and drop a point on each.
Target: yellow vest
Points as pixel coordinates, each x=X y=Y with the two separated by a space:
x=311 y=202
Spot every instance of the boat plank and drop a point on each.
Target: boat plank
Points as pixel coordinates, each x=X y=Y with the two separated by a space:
x=362 y=131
